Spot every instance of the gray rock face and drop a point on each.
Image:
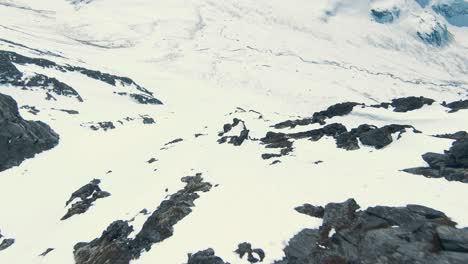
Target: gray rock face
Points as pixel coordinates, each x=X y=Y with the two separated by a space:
x=206 y=256
x=410 y=103
x=87 y=195
x=21 y=139
x=340 y=109
x=455 y=12
x=14 y=77
x=385 y=16
x=452 y=165
x=381 y=234
x=438 y=36
x=114 y=246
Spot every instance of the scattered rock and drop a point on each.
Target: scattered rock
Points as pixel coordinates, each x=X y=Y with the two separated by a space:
x=6 y=243
x=70 y=112
x=105 y=125
x=21 y=139
x=206 y=256
x=31 y=109
x=87 y=194
x=381 y=234
x=199 y=135
x=114 y=246
x=152 y=160
x=235 y=137
x=46 y=252
x=457 y=105
x=452 y=164
x=148 y=120
x=253 y=255
x=410 y=103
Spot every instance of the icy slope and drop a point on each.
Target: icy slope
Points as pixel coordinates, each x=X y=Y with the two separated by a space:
x=262 y=62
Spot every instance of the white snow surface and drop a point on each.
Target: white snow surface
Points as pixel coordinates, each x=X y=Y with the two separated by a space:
x=203 y=59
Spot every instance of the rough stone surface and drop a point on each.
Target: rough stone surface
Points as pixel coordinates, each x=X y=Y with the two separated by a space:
x=235 y=140
x=21 y=139
x=206 y=256
x=381 y=234
x=452 y=164
x=114 y=246
x=254 y=255
x=456 y=106
x=87 y=195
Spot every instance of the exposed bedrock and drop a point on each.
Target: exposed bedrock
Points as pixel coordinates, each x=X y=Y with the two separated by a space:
x=451 y=165
x=21 y=139
x=114 y=246
x=381 y=234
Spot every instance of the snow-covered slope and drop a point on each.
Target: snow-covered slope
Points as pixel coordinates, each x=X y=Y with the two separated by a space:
x=143 y=93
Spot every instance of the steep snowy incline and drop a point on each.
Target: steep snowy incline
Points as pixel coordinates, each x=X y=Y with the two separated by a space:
x=227 y=73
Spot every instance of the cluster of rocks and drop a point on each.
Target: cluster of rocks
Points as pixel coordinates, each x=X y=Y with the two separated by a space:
x=31 y=109
x=206 y=256
x=452 y=164
x=340 y=109
x=381 y=234
x=366 y=134
x=21 y=139
x=87 y=195
x=114 y=246
x=236 y=139
x=104 y=125
x=14 y=77
x=254 y=255
x=5 y=242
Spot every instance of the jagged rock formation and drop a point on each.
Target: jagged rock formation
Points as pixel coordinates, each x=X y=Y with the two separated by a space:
x=46 y=252
x=340 y=109
x=21 y=139
x=406 y=104
x=367 y=134
x=381 y=234
x=87 y=194
x=452 y=165
x=455 y=12
x=254 y=255
x=433 y=32
x=235 y=139
x=14 y=77
x=206 y=256
x=457 y=105
x=114 y=246
x=311 y=210
x=5 y=242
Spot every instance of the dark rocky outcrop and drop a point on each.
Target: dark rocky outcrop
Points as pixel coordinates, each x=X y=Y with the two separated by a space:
x=381 y=234
x=406 y=104
x=148 y=120
x=235 y=140
x=46 y=252
x=438 y=35
x=87 y=195
x=206 y=256
x=114 y=246
x=349 y=140
x=5 y=242
x=70 y=112
x=452 y=165
x=311 y=210
x=254 y=255
x=340 y=109
x=456 y=105
x=14 y=77
x=21 y=139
